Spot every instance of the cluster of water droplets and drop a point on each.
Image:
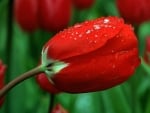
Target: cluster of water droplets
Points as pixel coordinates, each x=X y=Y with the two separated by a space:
x=91 y=31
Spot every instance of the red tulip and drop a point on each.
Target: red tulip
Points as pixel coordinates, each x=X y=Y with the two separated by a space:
x=26 y=13
x=2 y=72
x=134 y=11
x=83 y=4
x=147 y=51
x=50 y=15
x=54 y=15
x=45 y=84
x=91 y=56
x=58 y=109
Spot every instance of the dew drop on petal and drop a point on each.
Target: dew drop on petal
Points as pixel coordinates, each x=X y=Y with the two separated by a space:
x=122 y=40
x=105 y=35
x=95 y=41
x=76 y=33
x=75 y=38
x=117 y=36
x=96 y=27
x=114 y=27
x=113 y=66
x=106 y=26
x=109 y=26
x=106 y=20
x=88 y=32
x=77 y=25
x=80 y=35
x=96 y=35
x=72 y=34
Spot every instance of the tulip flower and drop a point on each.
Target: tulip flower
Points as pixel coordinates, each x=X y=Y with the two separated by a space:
x=91 y=56
x=58 y=109
x=134 y=11
x=45 y=14
x=83 y=4
x=2 y=72
x=147 y=51
x=45 y=84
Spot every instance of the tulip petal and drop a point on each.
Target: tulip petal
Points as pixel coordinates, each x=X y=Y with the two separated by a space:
x=83 y=38
x=95 y=72
x=45 y=84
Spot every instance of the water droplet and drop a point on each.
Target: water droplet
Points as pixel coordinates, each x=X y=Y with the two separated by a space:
x=109 y=26
x=76 y=33
x=106 y=26
x=95 y=41
x=114 y=27
x=106 y=20
x=88 y=32
x=113 y=66
x=80 y=35
x=96 y=27
x=77 y=25
x=105 y=35
x=90 y=41
x=122 y=40
x=96 y=35
x=117 y=36
x=75 y=38
x=72 y=34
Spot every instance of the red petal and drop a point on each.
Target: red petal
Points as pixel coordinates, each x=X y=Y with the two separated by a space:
x=134 y=11
x=103 y=68
x=83 y=4
x=54 y=15
x=94 y=72
x=83 y=38
x=45 y=84
x=104 y=56
x=26 y=14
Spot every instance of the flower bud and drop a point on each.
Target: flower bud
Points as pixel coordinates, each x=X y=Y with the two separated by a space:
x=134 y=11
x=91 y=56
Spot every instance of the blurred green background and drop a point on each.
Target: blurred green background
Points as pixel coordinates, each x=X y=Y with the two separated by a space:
x=21 y=51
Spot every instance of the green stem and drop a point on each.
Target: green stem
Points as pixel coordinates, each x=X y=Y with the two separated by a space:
x=19 y=79
x=8 y=54
x=52 y=96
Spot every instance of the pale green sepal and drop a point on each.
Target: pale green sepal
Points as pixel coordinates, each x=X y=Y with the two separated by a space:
x=56 y=67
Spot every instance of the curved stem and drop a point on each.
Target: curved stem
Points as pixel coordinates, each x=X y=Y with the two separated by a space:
x=51 y=103
x=19 y=79
x=9 y=47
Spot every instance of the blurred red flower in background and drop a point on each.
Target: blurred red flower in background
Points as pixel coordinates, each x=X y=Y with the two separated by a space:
x=45 y=84
x=50 y=15
x=83 y=4
x=91 y=56
x=147 y=51
x=58 y=109
x=2 y=75
x=134 y=11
